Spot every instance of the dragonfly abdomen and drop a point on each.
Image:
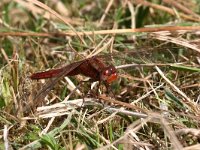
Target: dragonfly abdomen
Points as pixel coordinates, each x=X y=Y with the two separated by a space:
x=46 y=74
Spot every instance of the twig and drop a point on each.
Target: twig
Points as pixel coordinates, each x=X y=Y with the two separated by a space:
x=146 y=65
x=5 y=137
x=171 y=135
x=44 y=131
x=45 y=7
x=165 y=9
x=105 y=13
x=147 y=94
x=178 y=41
x=181 y=7
x=193 y=147
x=102 y=32
x=131 y=8
x=127 y=112
x=6 y=57
x=123 y=104
x=188 y=100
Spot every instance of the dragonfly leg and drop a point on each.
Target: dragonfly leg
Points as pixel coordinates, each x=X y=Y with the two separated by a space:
x=97 y=94
x=74 y=90
x=83 y=95
x=109 y=90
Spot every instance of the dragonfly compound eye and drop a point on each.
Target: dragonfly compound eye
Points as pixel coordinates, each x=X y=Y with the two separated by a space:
x=106 y=72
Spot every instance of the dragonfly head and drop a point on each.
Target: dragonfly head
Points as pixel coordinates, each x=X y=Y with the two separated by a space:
x=109 y=74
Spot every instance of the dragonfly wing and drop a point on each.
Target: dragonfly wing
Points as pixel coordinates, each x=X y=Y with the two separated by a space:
x=50 y=84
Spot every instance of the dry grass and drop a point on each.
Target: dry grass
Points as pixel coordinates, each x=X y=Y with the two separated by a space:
x=154 y=104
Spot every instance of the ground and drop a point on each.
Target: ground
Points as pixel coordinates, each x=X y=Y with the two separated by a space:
x=154 y=102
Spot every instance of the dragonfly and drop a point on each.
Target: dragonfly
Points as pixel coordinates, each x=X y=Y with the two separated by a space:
x=92 y=67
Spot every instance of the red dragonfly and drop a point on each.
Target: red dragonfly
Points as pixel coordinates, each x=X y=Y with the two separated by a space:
x=92 y=67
